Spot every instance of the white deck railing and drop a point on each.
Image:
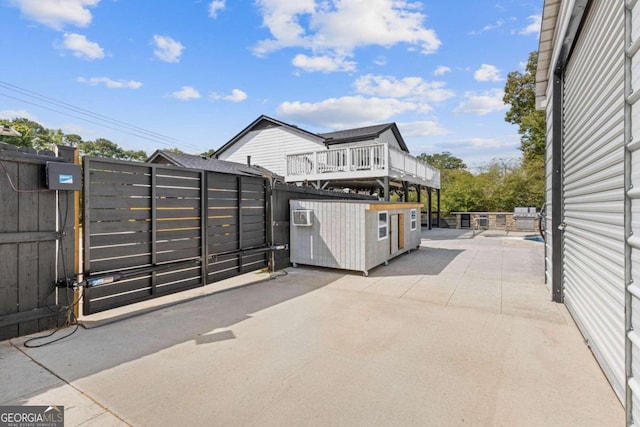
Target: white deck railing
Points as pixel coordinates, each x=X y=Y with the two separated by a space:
x=369 y=161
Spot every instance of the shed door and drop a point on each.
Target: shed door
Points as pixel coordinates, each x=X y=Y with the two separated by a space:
x=593 y=196
x=395 y=235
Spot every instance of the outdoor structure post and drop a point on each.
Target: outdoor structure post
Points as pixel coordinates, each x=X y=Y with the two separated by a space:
x=438 y=206
x=429 y=204
x=557 y=244
x=386 y=188
x=405 y=191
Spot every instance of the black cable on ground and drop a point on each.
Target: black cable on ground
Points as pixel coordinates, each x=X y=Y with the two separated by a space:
x=69 y=309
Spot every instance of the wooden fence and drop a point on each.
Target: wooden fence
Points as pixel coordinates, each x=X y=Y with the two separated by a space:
x=37 y=244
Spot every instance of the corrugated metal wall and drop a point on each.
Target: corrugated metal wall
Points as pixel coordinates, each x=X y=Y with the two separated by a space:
x=593 y=188
x=632 y=86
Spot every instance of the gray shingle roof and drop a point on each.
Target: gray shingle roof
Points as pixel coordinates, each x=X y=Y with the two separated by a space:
x=193 y=161
x=362 y=134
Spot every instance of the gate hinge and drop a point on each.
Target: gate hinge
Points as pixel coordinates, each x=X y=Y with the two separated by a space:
x=562 y=226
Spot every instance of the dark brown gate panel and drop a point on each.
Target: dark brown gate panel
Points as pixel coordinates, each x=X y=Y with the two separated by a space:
x=145 y=229
x=236 y=223
x=33 y=221
x=143 y=222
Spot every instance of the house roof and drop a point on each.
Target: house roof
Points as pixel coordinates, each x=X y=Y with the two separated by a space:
x=362 y=134
x=262 y=122
x=193 y=161
x=545 y=49
x=329 y=138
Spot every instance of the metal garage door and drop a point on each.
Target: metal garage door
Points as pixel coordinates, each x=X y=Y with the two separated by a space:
x=593 y=189
x=632 y=69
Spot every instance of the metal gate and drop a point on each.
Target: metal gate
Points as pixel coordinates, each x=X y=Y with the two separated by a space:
x=151 y=230
x=593 y=188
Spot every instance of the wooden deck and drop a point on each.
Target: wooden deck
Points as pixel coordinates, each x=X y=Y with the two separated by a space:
x=375 y=161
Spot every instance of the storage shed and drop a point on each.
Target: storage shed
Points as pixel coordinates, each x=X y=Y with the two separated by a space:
x=352 y=234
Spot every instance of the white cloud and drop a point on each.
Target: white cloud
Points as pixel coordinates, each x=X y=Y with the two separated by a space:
x=483 y=103
x=533 y=27
x=487 y=73
x=348 y=111
x=408 y=87
x=216 y=6
x=422 y=128
x=16 y=114
x=509 y=141
x=441 y=70
x=81 y=47
x=110 y=83
x=325 y=63
x=380 y=60
x=236 y=95
x=57 y=13
x=186 y=93
x=499 y=23
x=339 y=27
x=167 y=49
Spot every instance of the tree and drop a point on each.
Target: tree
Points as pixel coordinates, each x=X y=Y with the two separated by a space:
x=30 y=132
x=72 y=140
x=442 y=161
x=208 y=153
x=175 y=150
x=102 y=147
x=520 y=94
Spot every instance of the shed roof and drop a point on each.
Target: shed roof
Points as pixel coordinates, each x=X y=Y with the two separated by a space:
x=208 y=163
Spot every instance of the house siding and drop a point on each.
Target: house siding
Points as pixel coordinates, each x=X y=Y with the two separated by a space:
x=269 y=148
x=387 y=137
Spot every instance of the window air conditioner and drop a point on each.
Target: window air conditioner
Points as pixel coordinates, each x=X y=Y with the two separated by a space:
x=302 y=217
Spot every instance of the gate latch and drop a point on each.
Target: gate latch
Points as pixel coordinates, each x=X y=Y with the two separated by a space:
x=562 y=226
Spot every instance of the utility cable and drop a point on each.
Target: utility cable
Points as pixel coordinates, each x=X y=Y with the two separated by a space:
x=91 y=117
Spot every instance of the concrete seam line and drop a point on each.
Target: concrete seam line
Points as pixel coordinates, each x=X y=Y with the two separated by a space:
x=68 y=383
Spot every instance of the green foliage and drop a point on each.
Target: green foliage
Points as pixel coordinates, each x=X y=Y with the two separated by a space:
x=31 y=132
x=500 y=186
x=208 y=153
x=174 y=150
x=34 y=135
x=102 y=147
x=520 y=94
x=443 y=161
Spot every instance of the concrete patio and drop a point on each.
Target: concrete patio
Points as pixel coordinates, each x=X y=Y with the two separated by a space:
x=460 y=332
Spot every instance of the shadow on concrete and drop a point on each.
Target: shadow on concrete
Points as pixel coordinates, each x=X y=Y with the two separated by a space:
x=424 y=261
x=447 y=234
x=204 y=319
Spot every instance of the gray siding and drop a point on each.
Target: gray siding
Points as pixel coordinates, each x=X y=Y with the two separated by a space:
x=345 y=235
x=269 y=148
x=388 y=137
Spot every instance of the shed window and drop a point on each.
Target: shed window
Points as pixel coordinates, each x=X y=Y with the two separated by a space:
x=383 y=225
x=414 y=219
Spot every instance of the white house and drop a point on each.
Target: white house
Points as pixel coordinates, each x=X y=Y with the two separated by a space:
x=588 y=82
x=373 y=158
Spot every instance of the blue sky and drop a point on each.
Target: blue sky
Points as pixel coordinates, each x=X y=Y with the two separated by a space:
x=192 y=74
